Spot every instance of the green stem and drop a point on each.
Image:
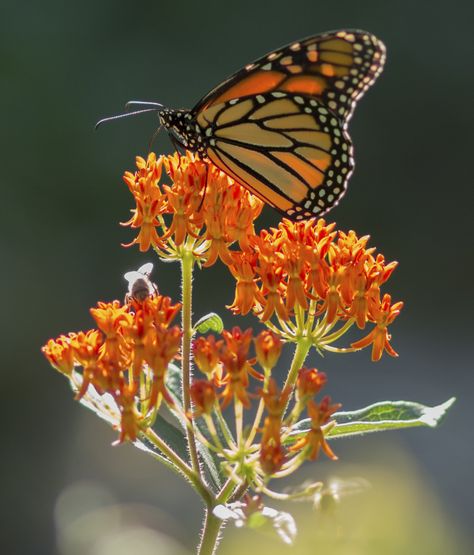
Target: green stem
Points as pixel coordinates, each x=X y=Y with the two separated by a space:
x=337 y=334
x=210 y=533
x=301 y=352
x=259 y=413
x=187 y=263
x=239 y=420
x=226 y=490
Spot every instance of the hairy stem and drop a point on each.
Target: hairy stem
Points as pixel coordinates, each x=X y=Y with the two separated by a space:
x=187 y=263
x=210 y=533
x=301 y=352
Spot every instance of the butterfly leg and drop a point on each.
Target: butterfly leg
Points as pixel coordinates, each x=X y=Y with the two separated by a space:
x=205 y=188
x=153 y=137
x=178 y=148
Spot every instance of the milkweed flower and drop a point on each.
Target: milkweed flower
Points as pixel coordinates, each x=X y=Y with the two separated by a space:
x=383 y=314
x=310 y=278
x=60 y=354
x=202 y=207
x=314 y=440
x=126 y=356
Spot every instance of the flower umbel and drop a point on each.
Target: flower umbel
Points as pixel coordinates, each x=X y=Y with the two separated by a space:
x=203 y=208
x=127 y=357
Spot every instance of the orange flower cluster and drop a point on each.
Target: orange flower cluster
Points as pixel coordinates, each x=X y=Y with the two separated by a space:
x=310 y=267
x=127 y=356
x=202 y=203
x=304 y=267
x=228 y=364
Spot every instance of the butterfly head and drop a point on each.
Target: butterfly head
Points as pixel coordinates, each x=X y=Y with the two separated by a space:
x=179 y=125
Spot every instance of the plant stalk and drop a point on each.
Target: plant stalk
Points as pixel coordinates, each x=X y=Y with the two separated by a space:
x=210 y=533
x=187 y=263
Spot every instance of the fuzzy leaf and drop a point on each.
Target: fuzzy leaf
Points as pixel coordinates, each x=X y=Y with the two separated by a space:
x=386 y=415
x=106 y=408
x=210 y=322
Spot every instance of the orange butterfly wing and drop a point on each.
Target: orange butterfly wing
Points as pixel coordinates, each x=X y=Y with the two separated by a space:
x=335 y=67
x=289 y=150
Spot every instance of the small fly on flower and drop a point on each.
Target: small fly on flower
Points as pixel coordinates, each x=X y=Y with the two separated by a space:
x=139 y=284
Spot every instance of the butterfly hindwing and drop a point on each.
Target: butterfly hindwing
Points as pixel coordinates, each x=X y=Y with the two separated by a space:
x=287 y=148
x=335 y=67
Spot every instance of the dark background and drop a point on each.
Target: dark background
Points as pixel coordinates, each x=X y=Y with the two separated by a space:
x=66 y=64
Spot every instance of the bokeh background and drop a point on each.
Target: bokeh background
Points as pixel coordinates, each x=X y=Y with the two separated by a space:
x=63 y=65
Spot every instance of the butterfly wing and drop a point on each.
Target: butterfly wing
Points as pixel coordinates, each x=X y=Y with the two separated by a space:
x=335 y=67
x=288 y=149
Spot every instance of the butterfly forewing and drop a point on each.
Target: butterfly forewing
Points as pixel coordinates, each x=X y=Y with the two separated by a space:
x=336 y=67
x=289 y=149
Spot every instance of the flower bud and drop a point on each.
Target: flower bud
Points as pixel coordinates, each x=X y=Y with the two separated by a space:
x=268 y=347
x=203 y=396
x=206 y=354
x=309 y=382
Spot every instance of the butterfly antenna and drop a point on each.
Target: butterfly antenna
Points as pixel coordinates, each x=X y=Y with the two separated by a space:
x=130 y=103
x=126 y=115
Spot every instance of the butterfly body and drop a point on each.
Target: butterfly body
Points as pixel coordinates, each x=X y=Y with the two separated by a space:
x=279 y=125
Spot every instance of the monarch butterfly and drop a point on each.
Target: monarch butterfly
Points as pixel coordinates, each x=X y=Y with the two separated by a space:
x=279 y=125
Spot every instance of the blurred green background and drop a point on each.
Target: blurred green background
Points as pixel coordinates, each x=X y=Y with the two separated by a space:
x=63 y=66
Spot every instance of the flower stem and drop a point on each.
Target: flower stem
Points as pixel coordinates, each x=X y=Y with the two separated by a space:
x=301 y=352
x=210 y=533
x=187 y=263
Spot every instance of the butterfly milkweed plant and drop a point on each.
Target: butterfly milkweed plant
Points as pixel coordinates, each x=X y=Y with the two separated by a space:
x=208 y=402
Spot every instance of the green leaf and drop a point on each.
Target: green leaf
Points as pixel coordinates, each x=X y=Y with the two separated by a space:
x=210 y=322
x=171 y=435
x=106 y=408
x=173 y=383
x=387 y=415
x=211 y=461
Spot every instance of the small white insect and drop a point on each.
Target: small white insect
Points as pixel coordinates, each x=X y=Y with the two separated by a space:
x=139 y=284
